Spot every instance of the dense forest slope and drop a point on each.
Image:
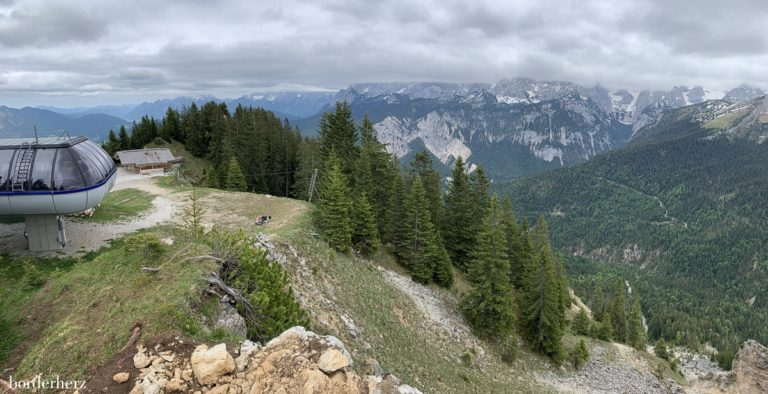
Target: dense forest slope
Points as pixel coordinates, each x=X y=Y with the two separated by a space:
x=681 y=212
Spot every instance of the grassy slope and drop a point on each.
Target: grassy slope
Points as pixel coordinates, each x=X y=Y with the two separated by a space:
x=83 y=315
x=122 y=204
x=85 y=312
x=394 y=328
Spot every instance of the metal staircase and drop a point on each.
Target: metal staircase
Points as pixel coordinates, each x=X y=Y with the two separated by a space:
x=23 y=165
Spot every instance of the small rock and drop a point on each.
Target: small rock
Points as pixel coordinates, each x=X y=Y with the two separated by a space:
x=141 y=360
x=219 y=389
x=175 y=385
x=121 y=377
x=332 y=360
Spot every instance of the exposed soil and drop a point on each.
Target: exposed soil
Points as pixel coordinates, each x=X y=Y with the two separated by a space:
x=100 y=380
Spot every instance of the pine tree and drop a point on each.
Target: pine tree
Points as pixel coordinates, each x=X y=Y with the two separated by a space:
x=171 y=129
x=478 y=186
x=606 y=328
x=395 y=221
x=334 y=207
x=580 y=323
x=598 y=304
x=112 y=144
x=515 y=249
x=565 y=294
x=490 y=305
x=421 y=166
x=458 y=225
x=192 y=215
x=365 y=236
x=419 y=234
x=661 y=350
x=124 y=141
x=235 y=178
x=618 y=312
x=383 y=170
x=211 y=178
x=636 y=334
x=542 y=308
x=338 y=136
x=443 y=274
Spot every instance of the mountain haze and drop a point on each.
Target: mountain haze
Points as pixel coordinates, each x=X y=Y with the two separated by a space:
x=21 y=123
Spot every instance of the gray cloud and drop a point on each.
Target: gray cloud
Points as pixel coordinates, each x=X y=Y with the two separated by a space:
x=80 y=52
x=49 y=24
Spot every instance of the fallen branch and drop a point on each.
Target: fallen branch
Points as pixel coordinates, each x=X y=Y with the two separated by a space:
x=150 y=270
x=182 y=250
x=136 y=333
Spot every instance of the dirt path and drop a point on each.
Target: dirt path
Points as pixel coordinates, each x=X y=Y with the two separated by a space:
x=84 y=236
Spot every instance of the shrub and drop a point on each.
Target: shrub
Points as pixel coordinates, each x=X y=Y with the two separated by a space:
x=33 y=277
x=661 y=350
x=148 y=245
x=579 y=354
x=262 y=282
x=509 y=349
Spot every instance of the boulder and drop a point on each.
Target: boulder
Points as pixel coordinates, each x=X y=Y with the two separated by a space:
x=209 y=365
x=231 y=321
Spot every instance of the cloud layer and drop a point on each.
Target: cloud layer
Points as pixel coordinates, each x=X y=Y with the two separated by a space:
x=78 y=52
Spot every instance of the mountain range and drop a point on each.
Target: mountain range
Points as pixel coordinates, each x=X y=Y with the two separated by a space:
x=513 y=127
x=22 y=123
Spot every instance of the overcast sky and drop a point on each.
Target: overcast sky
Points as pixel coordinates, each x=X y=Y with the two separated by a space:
x=83 y=52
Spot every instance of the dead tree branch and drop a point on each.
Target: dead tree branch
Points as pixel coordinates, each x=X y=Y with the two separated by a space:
x=247 y=309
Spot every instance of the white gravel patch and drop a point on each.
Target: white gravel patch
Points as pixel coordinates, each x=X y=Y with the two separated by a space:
x=441 y=313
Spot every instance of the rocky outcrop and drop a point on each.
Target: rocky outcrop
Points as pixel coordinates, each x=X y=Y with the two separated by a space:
x=749 y=374
x=297 y=361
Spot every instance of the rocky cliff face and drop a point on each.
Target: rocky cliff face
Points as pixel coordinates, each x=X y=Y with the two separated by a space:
x=513 y=127
x=749 y=374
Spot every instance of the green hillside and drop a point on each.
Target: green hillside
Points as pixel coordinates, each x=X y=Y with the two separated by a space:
x=682 y=213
